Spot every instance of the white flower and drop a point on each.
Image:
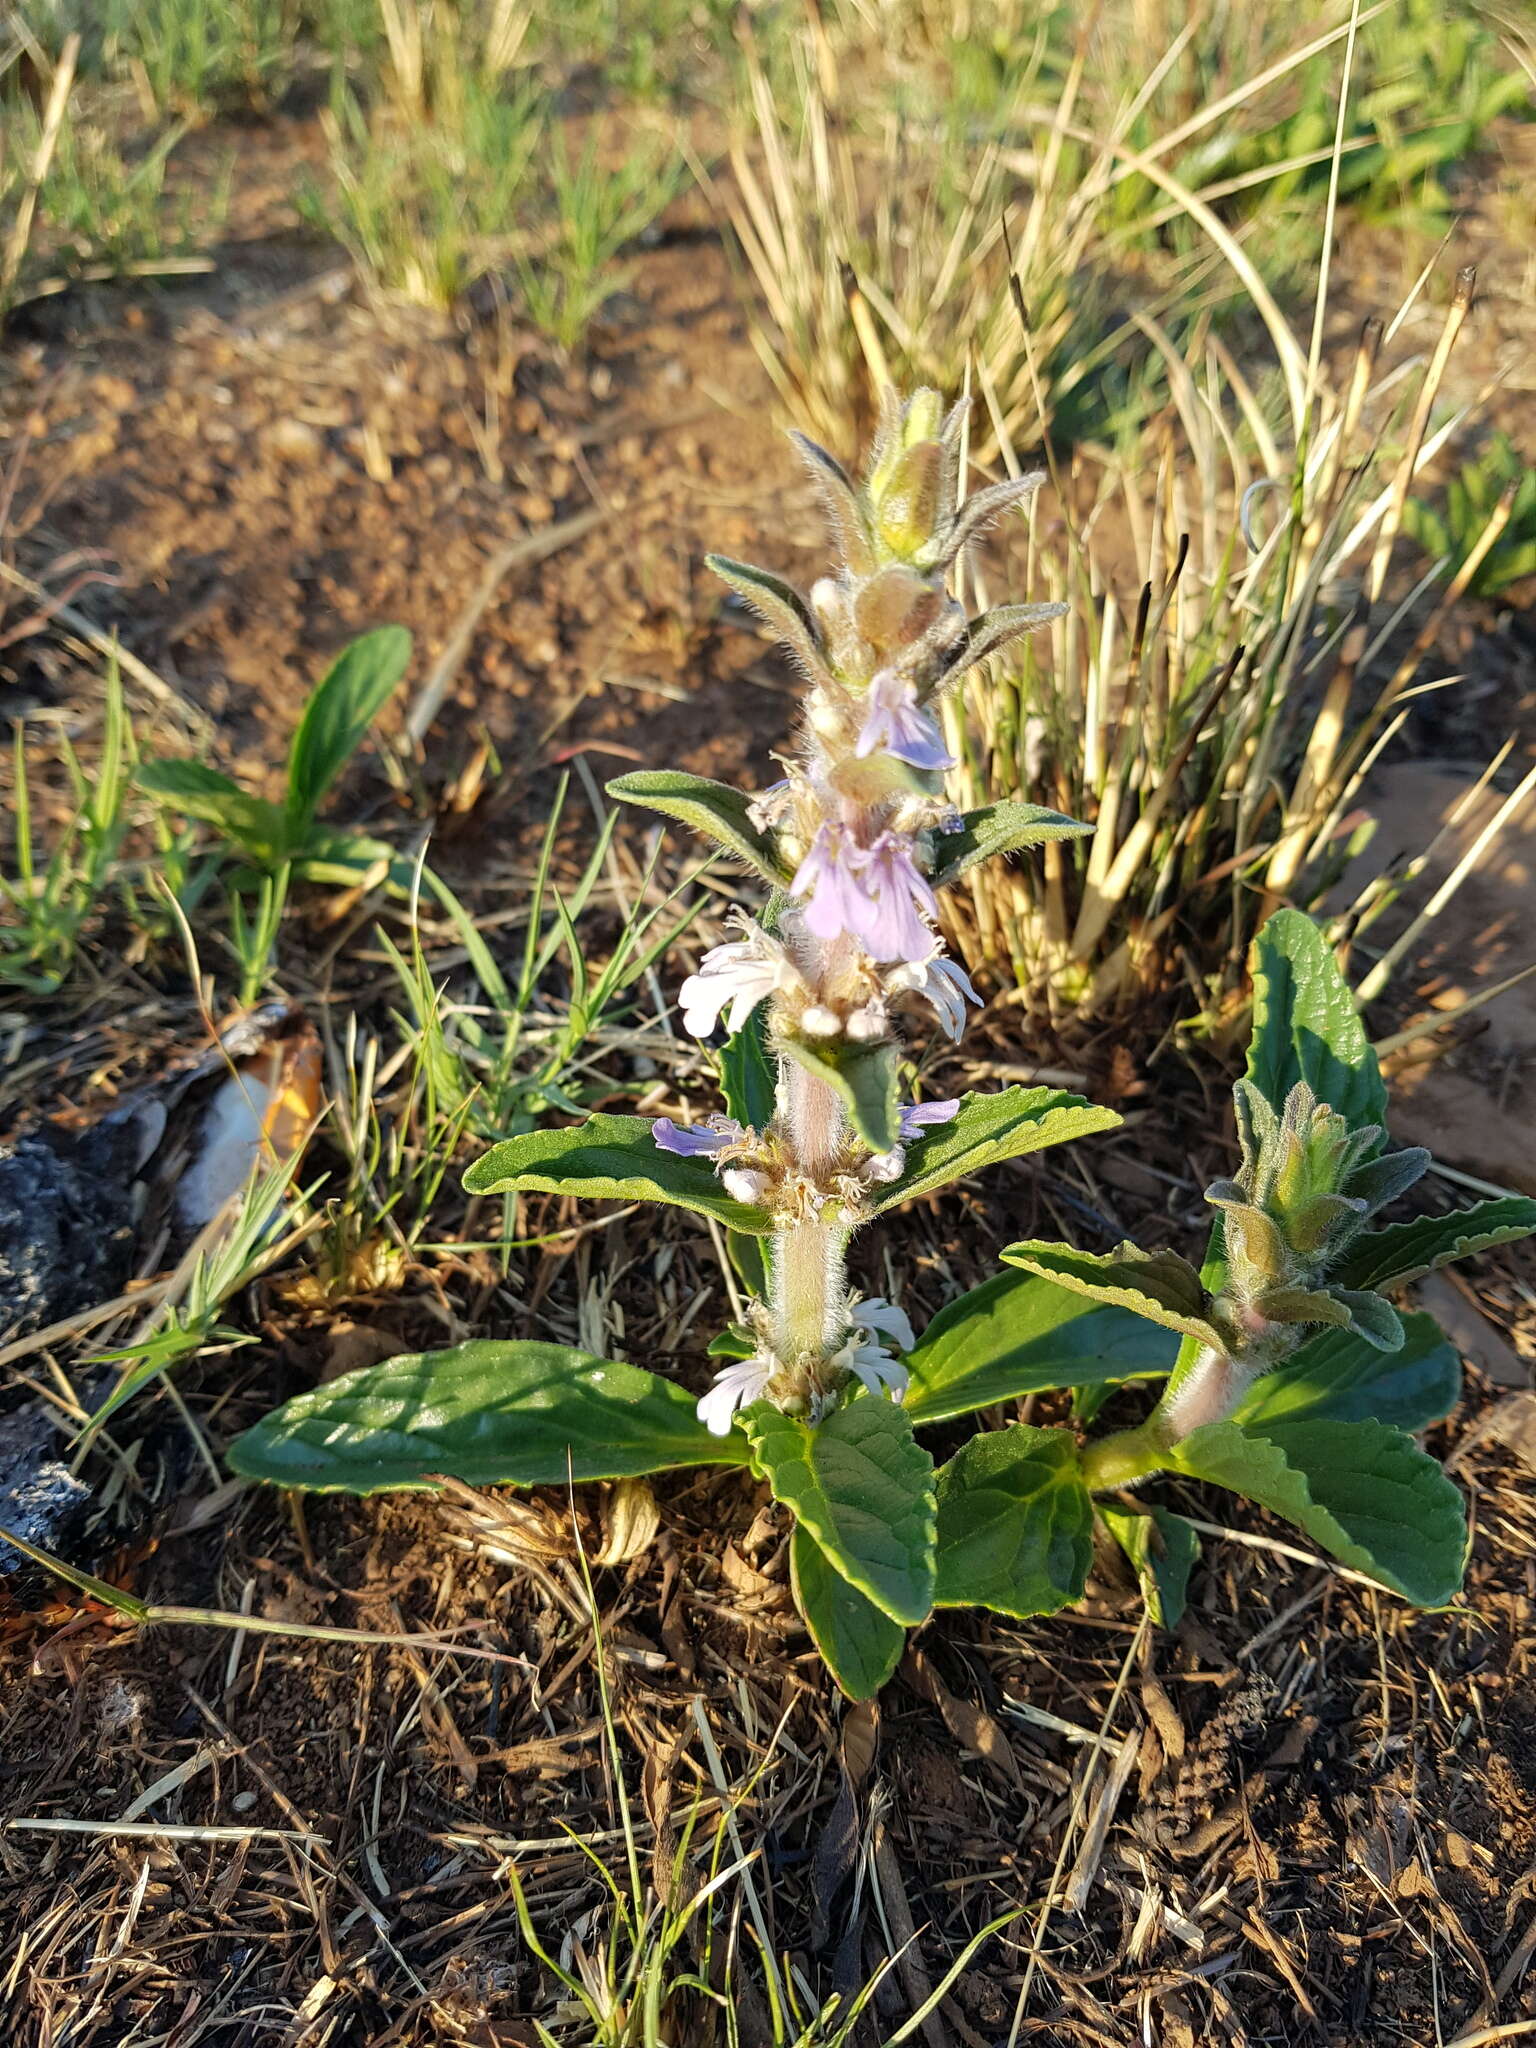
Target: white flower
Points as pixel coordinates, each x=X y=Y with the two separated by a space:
x=866 y=1357
x=735 y=976
x=939 y=981
x=884 y=1317
x=737 y=1385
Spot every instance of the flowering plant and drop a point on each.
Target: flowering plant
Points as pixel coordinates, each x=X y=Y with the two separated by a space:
x=1289 y=1377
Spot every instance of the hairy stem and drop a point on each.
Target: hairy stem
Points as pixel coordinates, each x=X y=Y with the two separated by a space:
x=808 y=1284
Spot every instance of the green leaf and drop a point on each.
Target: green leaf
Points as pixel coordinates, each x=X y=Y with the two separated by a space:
x=860 y=1646
x=1017 y=1334
x=713 y=808
x=1387 y=1258
x=1015 y=1523
x=490 y=1414
x=776 y=601
x=1163 y=1547
x=864 y=1079
x=747 y=1078
x=1363 y=1490
x=1161 y=1286
x=342 y=706
x=997 y=828
x=611 y=1159
x=863 y=1487
x=734 y=1341
x=1002 y=1124
x=200 y=792
x=1337 y=1376
x=746 y=1254
x=1306 y=1026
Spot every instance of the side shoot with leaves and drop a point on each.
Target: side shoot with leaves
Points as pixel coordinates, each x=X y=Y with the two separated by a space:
x=1290 y=1377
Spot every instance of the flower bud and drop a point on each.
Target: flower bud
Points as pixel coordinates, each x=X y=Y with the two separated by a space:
x=910 y=507
x=883 y=1167
x=820 y=1022
x=744 y=1183
x=866 y=1025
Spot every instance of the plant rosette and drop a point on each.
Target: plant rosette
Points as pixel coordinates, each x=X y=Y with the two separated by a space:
x=1289 y=1377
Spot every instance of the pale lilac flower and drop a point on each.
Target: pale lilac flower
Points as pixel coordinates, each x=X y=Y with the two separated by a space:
x=690 y=1140
x=873 y=893
x=737 y=1385
x=733 y=978
x=918 y=1117
x=895 y=723
x=900 y=896
x=940 y=981
x=830 y=877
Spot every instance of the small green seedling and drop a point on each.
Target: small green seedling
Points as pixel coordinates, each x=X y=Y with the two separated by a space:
x=281 y=843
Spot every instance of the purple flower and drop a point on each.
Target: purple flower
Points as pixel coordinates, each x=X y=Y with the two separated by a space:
x=690 y=1140
x=917 y=1117
x=895 y=723
x=900 y=896
x=830 y=878
x=873 y=893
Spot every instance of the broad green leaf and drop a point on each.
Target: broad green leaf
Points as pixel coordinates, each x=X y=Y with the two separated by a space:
x=713 y=808
x=997 y=828
x=345 y=859
x=864 y=1079
x=491 y=1414
x=863 y=1487
x=1161 y=1286
x=342 y=706
x=1306 y=1026
x=1017 y=1334
x=1383 y=1259
x=747 y=1078
x=611 y=1159
x=859 y=1645
x=1163 y=1548
x=1015 y=1523
x=1363 y=1490
x=200 y=792
x=1337 y=1376
x=1003 y=1124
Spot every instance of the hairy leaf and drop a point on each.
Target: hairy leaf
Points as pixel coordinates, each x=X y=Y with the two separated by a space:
x=610 y=1159
x=863 y=1487
x=1363 y=1490
x=864 y=1079
x=1306 y=1026
x=1407 y=1251
x=777 y=602
x=1161 y=1286
x=1017 y=1334
x=1015 y=1523
x=998 y=828
x=1338 y=1375
x=491 y=1414
x=713 y=808
x=986 y=1129
x=860 y=1646
x=1163 y=1547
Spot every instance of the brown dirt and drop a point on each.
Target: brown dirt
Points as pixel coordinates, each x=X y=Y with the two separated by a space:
x=1323 y=1834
